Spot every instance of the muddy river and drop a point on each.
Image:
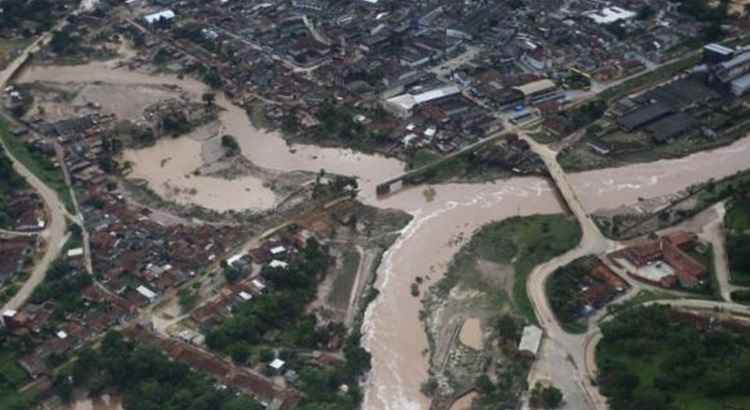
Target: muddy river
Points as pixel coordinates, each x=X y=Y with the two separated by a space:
x=394 y=334
x=264 y=148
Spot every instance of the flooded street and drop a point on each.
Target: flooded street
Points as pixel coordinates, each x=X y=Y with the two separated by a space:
x=393 y=332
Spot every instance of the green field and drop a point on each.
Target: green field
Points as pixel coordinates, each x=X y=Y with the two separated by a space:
x=737 y=222
x=39 y=164
x=519 y=242
x=738 y=216
x=654 y=77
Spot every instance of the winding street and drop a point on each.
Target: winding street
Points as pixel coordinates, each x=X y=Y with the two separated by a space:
x=562 y=357
x=54 y=234
x=569 y=360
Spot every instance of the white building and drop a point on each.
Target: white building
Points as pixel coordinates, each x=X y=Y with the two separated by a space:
x=609 y=15
x=531 y=340
x=157 y=17
x=277 y=264
x=402 y=105
x=147 y=293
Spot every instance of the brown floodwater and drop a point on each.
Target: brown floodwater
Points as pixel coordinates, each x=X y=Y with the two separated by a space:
x=613 y=187
x=266 y=149
x=393 y=332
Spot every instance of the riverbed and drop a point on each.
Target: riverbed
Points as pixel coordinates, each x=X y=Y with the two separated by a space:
x=393 y=333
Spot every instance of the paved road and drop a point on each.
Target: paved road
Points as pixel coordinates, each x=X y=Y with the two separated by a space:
x=569 y=360
x=563 y=356
x=55 y=233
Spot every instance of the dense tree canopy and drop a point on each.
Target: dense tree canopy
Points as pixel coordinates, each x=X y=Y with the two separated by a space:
x=654 y=358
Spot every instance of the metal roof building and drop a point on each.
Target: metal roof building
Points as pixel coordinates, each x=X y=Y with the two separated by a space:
x=644 y=115
x=610 y=15
x=536 y=87
x=531 y=340
x=156 y=17
x=403 y=104
x=741 y=85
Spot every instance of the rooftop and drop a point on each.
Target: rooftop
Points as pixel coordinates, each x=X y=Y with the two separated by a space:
x=531 y=339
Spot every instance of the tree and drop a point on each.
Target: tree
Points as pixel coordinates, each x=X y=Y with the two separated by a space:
x=508 y=327
x=188 y=298
x=231 y=145
x=645 y=12
x=547 y=397
x=242 y=403
x=212 y=77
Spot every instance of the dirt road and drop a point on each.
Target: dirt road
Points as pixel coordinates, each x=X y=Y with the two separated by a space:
x=714 y=233
x=55 y=233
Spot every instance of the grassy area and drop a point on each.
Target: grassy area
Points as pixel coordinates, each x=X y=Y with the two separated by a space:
x=258 y=115
x=539 y=239
x=473 y=166
x=520 y=243
x=344 y=281
x=654 y=77
x=738 y=216
x=643 y=296
x=39 y=164
x=706 y=257
x=715 y=191
x=737 y=222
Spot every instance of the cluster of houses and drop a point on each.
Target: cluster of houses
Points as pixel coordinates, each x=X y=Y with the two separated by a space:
x=271 y=394
x=15 y=252
x=25 y=210
x=664 y=261
x=440 y=65
x=136 y=261
x=275 y=255
x=598 y=287
x=54 y=337
x=142 y=259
